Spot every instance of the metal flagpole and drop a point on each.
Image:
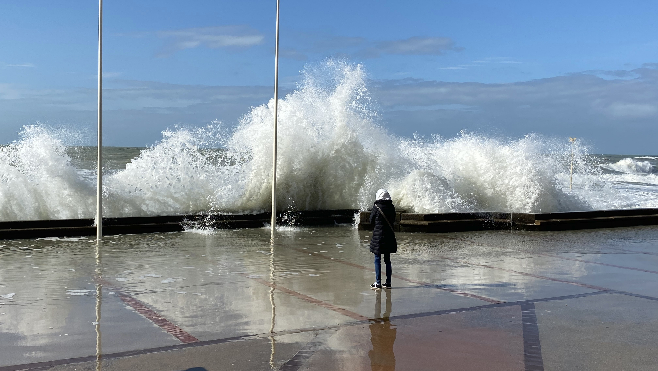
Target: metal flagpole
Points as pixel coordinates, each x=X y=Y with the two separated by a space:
x=572 y=140
x=99 y=301
x=99 y=183
x=276 y=101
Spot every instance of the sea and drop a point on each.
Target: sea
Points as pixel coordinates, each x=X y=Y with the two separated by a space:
x=334 y=152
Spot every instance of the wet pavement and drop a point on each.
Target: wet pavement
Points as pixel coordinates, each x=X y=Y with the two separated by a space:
x=230 y=300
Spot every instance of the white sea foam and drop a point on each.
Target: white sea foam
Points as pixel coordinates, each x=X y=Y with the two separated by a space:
x=37 y=180
x=631 y=166
x=333 y=154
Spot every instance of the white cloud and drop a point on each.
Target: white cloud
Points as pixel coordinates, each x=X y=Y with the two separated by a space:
x=21 y=65
x=491 y=61
x=415 y=46
x=617 y=115
x=360 y=47
x=209 y=37
x=632 y=110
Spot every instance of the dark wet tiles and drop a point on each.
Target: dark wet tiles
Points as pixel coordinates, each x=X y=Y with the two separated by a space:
x=347 y=284
x=578 y=273
x=601 y=332
x=503 y=285
x=410 y=300
x=227 y=287
x=253 y=354
x=637 y=262
x=74 y=333
x=219 y=314
x=489 y=339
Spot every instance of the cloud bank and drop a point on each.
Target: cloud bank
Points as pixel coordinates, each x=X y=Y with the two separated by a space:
x=362 y=48
x=617 y=115
x=210 y=37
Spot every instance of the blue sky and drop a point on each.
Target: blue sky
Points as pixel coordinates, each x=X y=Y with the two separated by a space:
x=563 y=68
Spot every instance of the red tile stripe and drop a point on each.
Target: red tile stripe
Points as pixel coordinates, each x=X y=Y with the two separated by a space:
x=151 y=315
x=154 y=317
x=309 y=299
x=453 y=291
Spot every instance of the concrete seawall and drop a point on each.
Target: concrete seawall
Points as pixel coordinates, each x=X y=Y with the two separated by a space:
x=173 y=223
x=460 y=222
x=405 y=222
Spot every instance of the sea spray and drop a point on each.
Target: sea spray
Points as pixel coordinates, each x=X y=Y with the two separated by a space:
x=181 y=174
x=473 y=172
x=329 y=148
x=333 y=154
x=37 y=180
x=630 y=166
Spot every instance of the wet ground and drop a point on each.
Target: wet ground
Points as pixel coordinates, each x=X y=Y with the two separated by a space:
x=229 y=300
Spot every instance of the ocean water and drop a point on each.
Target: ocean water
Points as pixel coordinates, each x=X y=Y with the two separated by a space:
x=334 y=153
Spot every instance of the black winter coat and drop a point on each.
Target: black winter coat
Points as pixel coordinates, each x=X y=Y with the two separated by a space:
x=383 y=237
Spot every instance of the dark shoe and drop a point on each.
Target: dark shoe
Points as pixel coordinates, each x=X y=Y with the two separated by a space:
x=375 y=286
x=386 y=285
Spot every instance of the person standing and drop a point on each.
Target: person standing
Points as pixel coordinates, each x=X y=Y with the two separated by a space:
x=383 y=240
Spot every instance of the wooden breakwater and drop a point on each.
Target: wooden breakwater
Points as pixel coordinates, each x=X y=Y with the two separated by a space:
x=404 y=222
x=461 y=222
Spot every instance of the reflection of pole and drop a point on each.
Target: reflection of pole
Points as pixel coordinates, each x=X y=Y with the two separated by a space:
x=276 y=101
x=99 y=177
x=572 y=140
x=99 y=297
x=273 y=306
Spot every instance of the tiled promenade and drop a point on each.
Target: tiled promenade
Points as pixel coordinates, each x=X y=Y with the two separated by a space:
x=579 y=300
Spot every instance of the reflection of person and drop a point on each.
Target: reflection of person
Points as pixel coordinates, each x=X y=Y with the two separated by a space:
x=383 y=237
x=382 y=337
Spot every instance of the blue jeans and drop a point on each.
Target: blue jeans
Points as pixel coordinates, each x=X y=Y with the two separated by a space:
x=378 y=268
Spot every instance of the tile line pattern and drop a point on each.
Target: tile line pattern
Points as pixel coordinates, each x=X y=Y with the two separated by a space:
x=49 y=364
x=439 y=287
x=309 y=299
x=598 y=263
x=574 y=259
x=150 y=314
x=465 y=262
x=189 y=340
x=185 y=337
x=306 y=352
x=531 y=346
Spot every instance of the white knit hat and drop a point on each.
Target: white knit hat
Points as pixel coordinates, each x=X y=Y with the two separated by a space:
x=382 y=194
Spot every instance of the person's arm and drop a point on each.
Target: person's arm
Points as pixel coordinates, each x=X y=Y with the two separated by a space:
x=372 y=215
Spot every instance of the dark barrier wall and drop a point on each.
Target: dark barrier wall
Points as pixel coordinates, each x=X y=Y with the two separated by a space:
x=404 y=222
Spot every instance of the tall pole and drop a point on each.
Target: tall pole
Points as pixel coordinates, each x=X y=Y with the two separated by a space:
x=276 y=101
x=99 y=177
x=572 y=140
x=99 y=300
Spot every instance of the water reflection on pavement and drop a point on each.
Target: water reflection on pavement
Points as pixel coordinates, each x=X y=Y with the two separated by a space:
x=305 y=302
x=382 y=335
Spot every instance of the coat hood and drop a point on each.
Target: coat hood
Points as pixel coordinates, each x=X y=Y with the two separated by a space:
x=382 y=194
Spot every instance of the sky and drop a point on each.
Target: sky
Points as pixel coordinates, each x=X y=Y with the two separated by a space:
x=585 y=69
